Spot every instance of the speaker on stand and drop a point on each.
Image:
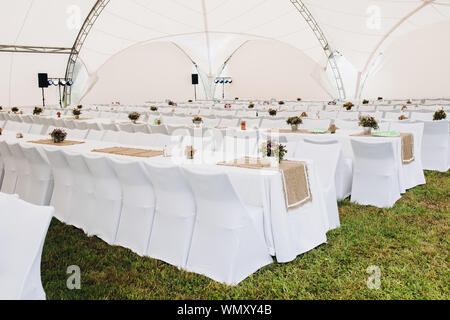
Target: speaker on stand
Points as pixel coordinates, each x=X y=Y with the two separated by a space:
x=43 y=83
x=195 y=83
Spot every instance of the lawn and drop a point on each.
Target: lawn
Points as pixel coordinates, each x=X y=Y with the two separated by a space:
x=409 y=243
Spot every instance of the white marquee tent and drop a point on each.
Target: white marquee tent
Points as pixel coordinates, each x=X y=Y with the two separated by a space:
x=138 y=50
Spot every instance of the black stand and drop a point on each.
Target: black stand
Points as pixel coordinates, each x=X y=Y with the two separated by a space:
x=195 y=92
x=43 y=98
x=60 y=99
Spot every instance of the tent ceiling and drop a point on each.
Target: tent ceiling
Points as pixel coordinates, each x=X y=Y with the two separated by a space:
x=210 y=30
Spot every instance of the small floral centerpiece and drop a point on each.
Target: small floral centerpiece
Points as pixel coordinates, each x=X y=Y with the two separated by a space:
x=134 y=117
x=294 y=122
x=274 y=150
x=402 y=117
x=170 y=103
x=439 y=115
x=332 y=103
x=197 y=120
x=299 y=99
x=15 y=109
x=368 y=123
x=380 y=98
x=76 y=112
x=37 y=111
x=236 y=98
x=404 y=108
x=157 y=121
x=266 y=103
x=80 y=106
x=58 y=135
x=227 y=106
x=1 y=108
x=348 y=106
x=304 y=115
x=154 y=108
x=273 y=112
x=251 y=105
x=365 y=101
x=408 y=102
x=190 y=101
x=281 y=103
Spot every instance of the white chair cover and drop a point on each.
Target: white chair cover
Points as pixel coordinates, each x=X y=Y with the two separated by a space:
x=23 y=228
x=375 y=177
x=436 y=146
x=10 y=169
x=226 y=246
x=23 y=171
x=138 y=206
x=174 y=215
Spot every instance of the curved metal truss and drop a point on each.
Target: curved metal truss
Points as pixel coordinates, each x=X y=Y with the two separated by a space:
x=79 y=42
x=299 y=5
x=330 y=53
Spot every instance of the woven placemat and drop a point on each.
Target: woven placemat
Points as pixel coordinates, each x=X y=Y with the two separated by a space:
x=131 y=152
x=65 y=143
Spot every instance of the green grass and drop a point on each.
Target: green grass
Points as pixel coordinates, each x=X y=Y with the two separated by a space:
x=410 y=244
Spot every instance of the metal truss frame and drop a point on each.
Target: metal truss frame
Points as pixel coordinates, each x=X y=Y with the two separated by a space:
x=34 y=49
x=329 y=52
x=79 y=42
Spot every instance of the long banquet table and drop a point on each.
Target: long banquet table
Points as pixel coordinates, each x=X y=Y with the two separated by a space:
x=288 y=233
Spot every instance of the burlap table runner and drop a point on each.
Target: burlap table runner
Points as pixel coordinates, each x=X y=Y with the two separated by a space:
x=131 y=152
x=65 y=143
x=295 y=178
x=407 y=145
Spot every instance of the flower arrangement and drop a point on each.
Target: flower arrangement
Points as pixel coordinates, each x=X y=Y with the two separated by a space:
x=266 y=103
x=365 y=101
x=58 y=135
x=294 y=122
x=304 y=115
x=402 y=117
x=190 y=101
x=236 y=98
x=332 y=103
x=273 y=149
x=227 y=106
x=439 y=115
x=368 y=123
x=273 y=112
x=332 y=129
x=157 y=121
x=15 y=109
x=251 y=105
x=404 y=108
x=281 y=103
x=154 y=108
x=408 y=102
x=299 y=99
x=80 y=106
x=134 y=116
x=76 y=112
x=37 y=111
x=1 y=108
x=380 y=98
x=170 y=103
x=197 y=120
x=348 y=106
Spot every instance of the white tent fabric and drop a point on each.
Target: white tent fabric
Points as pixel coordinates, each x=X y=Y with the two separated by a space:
x=208 y=31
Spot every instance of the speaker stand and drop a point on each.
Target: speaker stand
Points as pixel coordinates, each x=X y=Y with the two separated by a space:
x=43 y=98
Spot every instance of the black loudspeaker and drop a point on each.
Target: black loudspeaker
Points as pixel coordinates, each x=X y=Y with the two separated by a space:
x=195 y=79
x=43 y=80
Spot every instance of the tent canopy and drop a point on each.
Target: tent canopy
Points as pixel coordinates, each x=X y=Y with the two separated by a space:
x=207 y=31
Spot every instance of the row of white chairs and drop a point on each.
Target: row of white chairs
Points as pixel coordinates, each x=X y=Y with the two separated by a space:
x=161 y=212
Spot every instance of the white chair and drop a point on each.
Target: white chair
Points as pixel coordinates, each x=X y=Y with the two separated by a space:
x=229 y=123
x=375 y=177
x=63 y=184
x=424 y=116
x=127 y=138
x=325 y=155
x=158 y=129
x=110 y=126
x=274 y=124
x=41 y=178
x=436 y=146
x=23 y=183
x=159 y=141
x=226 y=245
x=111 y=136
x=143 y=128
x=95 y=135
x=10 y=169
x=107 y=199
x=76 y=134
x=93 y=126
x=348 y=115
x=138 y=206
x=315 y=124
x=174 y=215
x=82 y=203
x=126 y=127
x=36 y=129
x=346 y=124
x=23 y=228
x=413 y=171
x=81 y=125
